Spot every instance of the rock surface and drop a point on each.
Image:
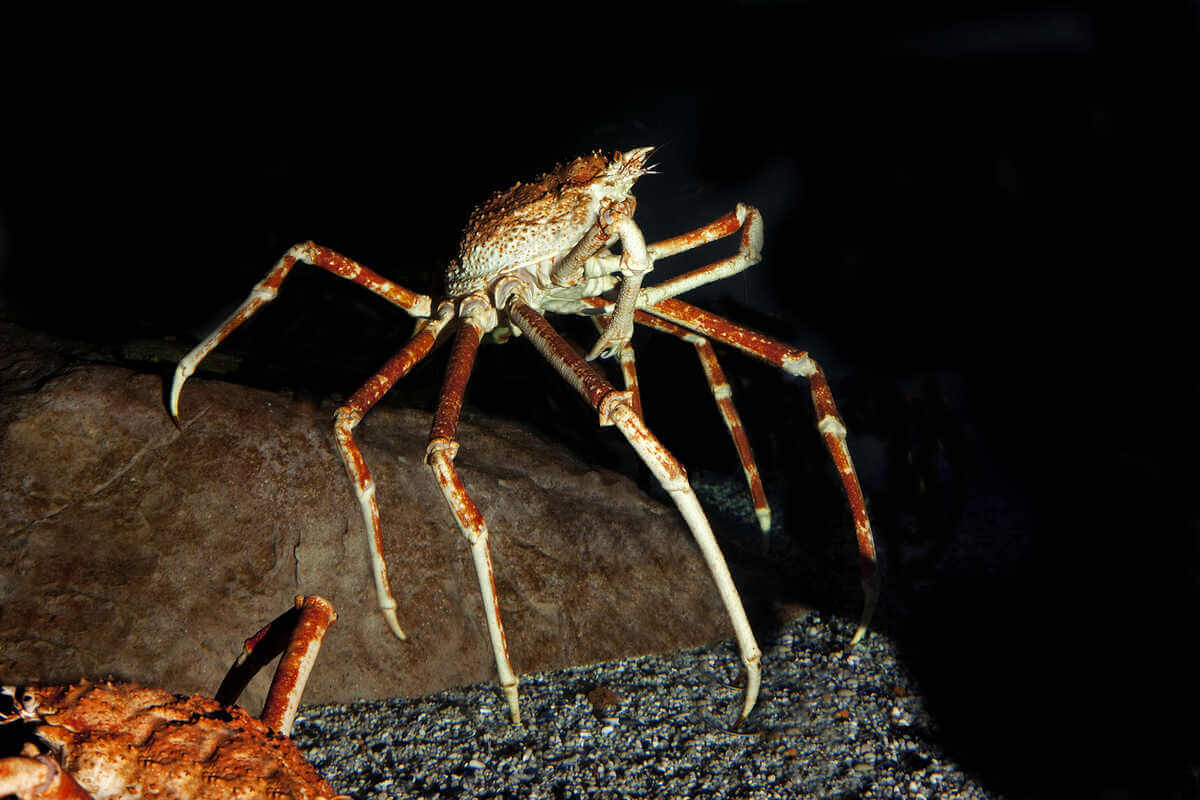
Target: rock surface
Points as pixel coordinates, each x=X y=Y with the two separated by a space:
x=134 y=549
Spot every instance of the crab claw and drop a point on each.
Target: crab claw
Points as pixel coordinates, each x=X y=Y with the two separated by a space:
x=613 y=340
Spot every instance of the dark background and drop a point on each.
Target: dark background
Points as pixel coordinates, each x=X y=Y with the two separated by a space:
x=981 y=222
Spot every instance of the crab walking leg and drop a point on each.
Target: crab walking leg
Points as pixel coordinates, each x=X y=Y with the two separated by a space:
x=287 y=687
x=347 y=418
x=38 y=778
x=671 y=475
x=829 y=422
x=440 y=457
x=744 y=217
x=629 y=373
x=615 y=408
x=723 y=394
x=417 y=305
x=297 y=634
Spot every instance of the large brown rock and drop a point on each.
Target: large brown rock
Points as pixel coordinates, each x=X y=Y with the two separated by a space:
x=135 y=549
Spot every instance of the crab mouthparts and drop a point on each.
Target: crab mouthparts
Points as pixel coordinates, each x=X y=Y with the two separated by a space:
x=636 y=159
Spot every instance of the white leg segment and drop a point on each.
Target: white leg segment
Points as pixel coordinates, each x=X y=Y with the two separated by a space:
x=748 y=254
x=672 y=477
x=440 y=457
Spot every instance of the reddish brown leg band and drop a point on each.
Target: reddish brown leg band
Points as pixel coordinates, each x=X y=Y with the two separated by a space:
x=615 y=407
x=347 y=418
x=440 y=457
x=297 y=634
x=829 y=422
x=723 y=394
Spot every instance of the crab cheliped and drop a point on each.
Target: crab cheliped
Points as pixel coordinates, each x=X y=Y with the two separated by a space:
x=123 y=741
x=545 y=246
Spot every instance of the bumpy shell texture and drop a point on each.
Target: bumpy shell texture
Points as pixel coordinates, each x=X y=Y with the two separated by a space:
x=529 y=222
x=124 y=741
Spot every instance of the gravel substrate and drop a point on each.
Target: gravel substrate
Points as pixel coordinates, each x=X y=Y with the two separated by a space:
x=831 y=721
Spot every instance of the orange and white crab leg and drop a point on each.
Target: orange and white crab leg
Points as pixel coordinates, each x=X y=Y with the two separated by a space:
x=423 y=340
x=744 y=218
x=291 y=676
x=297 y=634
x=38 y=778
x=629 y=373
x=439 y=455
x=829 y=422
x=723 y=394
x=615 y=408
x=417 y=305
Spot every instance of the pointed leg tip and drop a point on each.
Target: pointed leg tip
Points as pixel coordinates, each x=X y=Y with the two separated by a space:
x=514 y=708
x=753 y=682
x=394 y=624
x=176 y=390
x=173 y=410
x=764 y=524
x=747 y=707
x=871 y=590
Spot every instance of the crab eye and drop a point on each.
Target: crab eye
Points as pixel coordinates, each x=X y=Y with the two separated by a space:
x=618 y=157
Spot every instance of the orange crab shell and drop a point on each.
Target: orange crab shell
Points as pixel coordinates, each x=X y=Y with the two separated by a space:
x=123 y=740
x=532 y=219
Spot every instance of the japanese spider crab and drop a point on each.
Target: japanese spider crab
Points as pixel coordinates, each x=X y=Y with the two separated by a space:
x=541 y=247
x=123 y=741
